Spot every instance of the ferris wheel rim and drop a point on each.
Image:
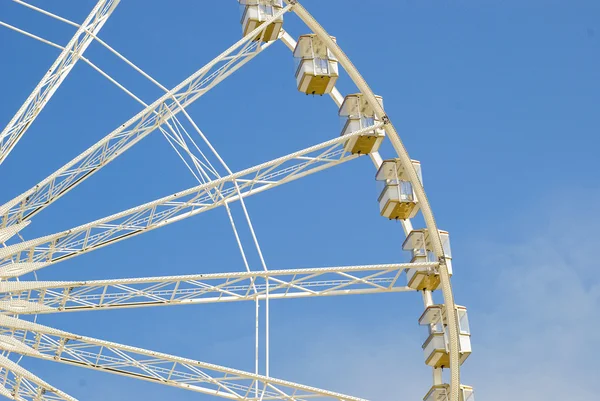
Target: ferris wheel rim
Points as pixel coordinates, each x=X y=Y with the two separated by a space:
x=425 y=207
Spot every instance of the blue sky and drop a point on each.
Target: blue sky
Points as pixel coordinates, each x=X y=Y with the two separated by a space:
x=499 y=100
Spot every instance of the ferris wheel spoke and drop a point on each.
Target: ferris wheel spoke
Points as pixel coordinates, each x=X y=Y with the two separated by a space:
x=54 y=77
x=60 y=346
x=39 y=297
x=17 y=383
x=28 y=256
x=151 y=118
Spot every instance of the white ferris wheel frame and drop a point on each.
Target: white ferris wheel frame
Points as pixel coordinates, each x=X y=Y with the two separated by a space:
x=38 y=297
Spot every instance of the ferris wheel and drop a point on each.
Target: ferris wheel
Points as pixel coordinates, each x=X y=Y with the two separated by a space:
x=366 y=126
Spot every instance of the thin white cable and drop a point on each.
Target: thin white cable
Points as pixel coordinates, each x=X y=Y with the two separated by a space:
x=175 y=137
x=208 y=164
x=236 y=234
x=251 y=227
x=100 y=41
x=244 y=258
x=249 y=222
x=48 y=13
x=264 y=265
x=31 y=35
x=256 y=343
x=84 y=59
x=257 y=312
x=201 y=165
x=168 y=138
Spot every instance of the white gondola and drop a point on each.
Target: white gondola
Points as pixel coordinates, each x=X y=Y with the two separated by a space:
x=436 y=345
x=357 y=114
x=419 y=243
x=397 y=200
x=441 y=392
x=316 y=67
x=256 y=12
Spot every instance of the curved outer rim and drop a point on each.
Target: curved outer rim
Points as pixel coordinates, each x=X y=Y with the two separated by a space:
x=405 y=159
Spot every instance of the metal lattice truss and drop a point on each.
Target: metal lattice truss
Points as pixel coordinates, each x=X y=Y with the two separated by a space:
x=16 y=383
x=128 y=134
x=28 y=256
x=38 y=297
x=57 y=73
x=35 y=340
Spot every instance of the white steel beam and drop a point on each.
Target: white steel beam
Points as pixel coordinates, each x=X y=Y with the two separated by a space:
x=60 y=346
x=18 y=384
x=54 y=77
x=39 y=297
x=27 y=256
x=24 y=206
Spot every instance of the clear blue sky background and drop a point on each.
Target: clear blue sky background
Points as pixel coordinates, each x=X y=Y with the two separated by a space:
x=498 y=99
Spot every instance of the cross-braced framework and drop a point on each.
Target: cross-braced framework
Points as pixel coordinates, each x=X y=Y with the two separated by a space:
x=23 y=296
x=38 y=297
x=43 y=342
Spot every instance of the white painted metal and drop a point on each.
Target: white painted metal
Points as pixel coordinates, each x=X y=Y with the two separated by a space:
x=18 y=384
x=57 y=73
x=40 y=297
x=45 y=12
x=60 y=346
x=79 y=240
x=99 y=155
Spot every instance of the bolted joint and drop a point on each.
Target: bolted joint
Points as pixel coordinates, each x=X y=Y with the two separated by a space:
x=442 y=261
x=385 y=119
